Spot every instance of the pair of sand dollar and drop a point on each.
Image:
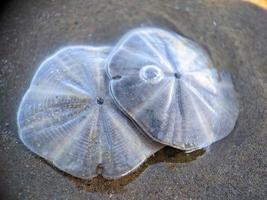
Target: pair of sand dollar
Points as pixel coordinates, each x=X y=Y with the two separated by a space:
x=104 y=110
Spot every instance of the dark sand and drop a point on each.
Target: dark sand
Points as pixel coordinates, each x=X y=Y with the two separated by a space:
x=234 y=32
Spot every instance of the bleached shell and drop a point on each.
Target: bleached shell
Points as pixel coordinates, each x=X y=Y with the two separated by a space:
x=167 y=84
x=61 y=118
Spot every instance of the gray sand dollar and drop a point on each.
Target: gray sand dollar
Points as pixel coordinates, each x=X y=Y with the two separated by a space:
x=168 y=85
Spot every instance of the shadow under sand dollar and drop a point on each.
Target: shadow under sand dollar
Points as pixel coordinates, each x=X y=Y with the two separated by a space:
x=166 y=155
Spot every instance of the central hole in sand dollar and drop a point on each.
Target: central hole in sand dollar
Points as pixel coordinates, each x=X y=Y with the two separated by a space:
x=151 y=74
x=99 y=100
x=177 y=75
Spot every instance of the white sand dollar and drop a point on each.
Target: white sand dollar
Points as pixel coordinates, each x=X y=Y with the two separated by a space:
x=68 y=117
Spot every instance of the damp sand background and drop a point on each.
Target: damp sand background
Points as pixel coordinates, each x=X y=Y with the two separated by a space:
x=234 y=32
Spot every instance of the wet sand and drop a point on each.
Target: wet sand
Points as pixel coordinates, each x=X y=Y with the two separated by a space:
x=234 y=33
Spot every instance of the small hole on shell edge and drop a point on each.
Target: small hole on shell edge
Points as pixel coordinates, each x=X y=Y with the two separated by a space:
x=99 y=169
x=116 y=77
x=99 y=100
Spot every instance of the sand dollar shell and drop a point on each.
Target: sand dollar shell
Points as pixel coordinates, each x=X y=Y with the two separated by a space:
x=168 y=86
x=68 y=117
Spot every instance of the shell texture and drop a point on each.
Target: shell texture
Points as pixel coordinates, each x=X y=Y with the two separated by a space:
x=68 y=117
x=167 y=84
